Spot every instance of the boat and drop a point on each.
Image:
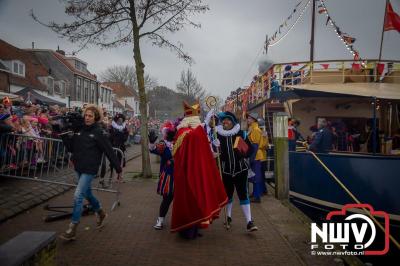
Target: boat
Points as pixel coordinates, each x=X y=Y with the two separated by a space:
x=362 y=95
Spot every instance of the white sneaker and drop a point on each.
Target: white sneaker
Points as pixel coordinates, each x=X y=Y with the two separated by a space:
x=159 y=223
x=41 y=160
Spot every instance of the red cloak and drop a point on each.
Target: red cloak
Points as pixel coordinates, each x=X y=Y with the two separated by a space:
x=199 y=192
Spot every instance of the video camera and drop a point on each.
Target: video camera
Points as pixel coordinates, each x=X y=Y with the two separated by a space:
x=72 y=121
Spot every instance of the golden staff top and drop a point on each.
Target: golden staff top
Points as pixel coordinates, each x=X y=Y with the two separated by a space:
x=211 y=102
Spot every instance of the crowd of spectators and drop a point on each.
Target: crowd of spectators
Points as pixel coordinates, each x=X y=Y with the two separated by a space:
x=27 y=128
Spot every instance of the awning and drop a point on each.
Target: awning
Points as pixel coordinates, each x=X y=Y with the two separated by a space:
x=390 y=91
x=11 y=96
x=38 y=98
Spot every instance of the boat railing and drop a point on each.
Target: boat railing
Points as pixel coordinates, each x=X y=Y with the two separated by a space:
x=282 y=76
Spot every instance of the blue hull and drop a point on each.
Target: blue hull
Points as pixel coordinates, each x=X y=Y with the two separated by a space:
x=372 y=179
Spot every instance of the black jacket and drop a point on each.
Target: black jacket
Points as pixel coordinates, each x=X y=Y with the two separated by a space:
x=87 y=147
x=118 y=138
x=232 y=162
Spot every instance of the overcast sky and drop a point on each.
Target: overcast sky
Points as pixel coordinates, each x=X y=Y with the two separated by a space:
x=226 y=48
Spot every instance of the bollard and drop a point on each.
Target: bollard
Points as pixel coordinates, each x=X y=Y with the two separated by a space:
x=281 y=156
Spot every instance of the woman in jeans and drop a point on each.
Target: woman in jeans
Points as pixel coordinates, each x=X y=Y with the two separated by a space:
x=87 y=147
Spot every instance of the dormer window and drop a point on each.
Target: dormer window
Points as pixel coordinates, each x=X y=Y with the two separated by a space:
x=50 y=85
x=18 y=68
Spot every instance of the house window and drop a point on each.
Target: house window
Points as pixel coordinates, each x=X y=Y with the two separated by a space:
x=77 y=65
x=18 y=68
x=50 y=85
x=59 y=87
x=78 y=89
x=93 y=92
x=86 y=91
x=62 y=87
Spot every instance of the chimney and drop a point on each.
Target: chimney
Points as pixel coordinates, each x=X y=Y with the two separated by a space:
x=61 y=52
x=33 y=45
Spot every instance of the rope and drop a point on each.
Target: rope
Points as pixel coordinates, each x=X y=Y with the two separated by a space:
x=353 y=197
x=291 y=27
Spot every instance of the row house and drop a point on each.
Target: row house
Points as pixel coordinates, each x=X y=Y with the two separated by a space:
x=22 y=73
x=74 y=79
x=117 y=108
x=106 y=98
x=126 y=96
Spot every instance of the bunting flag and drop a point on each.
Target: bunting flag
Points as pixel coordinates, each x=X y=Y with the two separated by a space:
x=356 y=67
x=392 y=19
x=285 y=24
x=325 y=66
x=380 y=67
x=328 y=20
x=347 y=40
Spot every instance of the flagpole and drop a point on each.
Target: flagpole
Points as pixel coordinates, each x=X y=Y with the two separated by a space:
x=383 y=32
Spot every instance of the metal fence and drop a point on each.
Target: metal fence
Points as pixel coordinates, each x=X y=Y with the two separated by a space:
x=47 y=160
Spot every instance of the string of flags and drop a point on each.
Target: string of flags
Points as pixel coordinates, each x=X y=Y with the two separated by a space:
x=347 y=40
x=277 y=36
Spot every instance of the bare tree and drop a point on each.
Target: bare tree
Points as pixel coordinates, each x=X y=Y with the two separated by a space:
x=126 y=74
x=189 y=86
x=111 y=23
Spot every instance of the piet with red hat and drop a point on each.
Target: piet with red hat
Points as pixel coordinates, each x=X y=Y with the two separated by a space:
x=199 y=193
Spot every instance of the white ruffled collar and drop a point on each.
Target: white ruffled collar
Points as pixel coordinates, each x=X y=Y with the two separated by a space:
x=118 y=127
x=228 y=133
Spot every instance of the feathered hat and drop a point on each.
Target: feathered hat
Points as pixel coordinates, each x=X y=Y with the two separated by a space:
x=167 y=126
x=228 y=115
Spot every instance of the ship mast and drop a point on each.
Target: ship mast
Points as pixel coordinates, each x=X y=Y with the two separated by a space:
x=312 y=32
x=383 y=32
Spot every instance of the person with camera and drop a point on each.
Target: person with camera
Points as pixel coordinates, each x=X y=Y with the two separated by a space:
x=234 y=168
x=87 y=147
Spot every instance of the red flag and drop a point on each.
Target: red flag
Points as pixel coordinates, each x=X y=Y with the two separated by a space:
x=325 y=66
x=355 y=66
x=380 y=67
x=392 y=19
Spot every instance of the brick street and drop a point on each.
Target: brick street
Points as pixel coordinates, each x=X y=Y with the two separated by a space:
x=129 y=238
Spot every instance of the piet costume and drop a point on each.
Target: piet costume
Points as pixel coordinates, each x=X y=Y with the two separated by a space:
x=234 y=166
x=199 y=192
x=165 y=186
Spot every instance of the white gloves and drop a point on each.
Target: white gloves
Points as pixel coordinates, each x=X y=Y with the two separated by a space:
x=216 y=143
